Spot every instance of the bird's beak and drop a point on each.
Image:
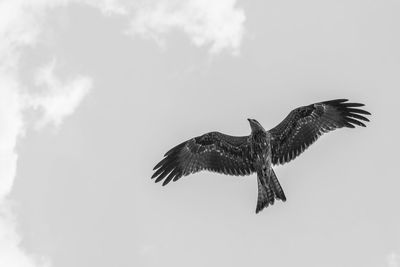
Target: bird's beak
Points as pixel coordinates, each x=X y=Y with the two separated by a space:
x=249 y=120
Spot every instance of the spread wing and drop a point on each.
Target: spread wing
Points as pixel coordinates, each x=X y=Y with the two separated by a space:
x=213 y=151
x=305 y=124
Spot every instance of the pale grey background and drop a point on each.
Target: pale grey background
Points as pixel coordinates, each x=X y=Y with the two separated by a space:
x=83 y=193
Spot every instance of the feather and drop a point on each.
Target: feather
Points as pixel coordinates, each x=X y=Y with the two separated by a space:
x=212 y=151
x=304 y=125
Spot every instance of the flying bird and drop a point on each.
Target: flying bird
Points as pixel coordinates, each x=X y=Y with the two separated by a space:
x=259 y=151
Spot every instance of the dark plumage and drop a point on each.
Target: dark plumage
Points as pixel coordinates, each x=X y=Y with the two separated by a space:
x=257 y=152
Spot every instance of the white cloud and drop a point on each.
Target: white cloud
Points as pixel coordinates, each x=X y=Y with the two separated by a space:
x=60 y=99
x=206 y=22
x=20 y=26
x=10 y=128
x=147 y=249
x=393 y=260
x=218 y=24
x=108 y=7
x=11 y=254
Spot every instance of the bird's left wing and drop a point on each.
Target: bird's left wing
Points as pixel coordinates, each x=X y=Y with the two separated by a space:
x=304 y=125
x=213 y=151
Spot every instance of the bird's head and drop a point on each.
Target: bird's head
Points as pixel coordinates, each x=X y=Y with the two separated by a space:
x=255 y=125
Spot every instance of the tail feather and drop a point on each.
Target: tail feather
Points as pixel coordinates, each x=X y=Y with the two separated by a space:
x=279 y=194
x=265 y=196
x=268 y=190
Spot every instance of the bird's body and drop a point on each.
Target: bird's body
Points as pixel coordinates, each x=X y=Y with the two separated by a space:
x=260 y=152
x=256 y=153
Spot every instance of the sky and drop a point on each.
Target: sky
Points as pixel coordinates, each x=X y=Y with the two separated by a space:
x=93 y=93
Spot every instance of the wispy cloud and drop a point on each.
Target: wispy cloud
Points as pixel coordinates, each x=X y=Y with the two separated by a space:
x=11 y=127
x=20 y=26
x=11 y=254
x=219 y=24
x=107 y=7
x=393 y=260
x=60 y=98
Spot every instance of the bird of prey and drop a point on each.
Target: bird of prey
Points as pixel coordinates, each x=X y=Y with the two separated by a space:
x=259 y=151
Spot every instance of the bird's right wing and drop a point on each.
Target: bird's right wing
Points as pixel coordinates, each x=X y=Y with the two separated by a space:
x=304 y=125
x=213 y=151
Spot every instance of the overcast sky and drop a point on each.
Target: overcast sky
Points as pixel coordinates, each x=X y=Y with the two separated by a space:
x=93 y=93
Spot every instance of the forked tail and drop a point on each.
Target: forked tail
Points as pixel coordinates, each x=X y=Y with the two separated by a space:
x=269 y=189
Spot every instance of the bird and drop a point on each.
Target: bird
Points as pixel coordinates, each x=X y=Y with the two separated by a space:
x=261 y=150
